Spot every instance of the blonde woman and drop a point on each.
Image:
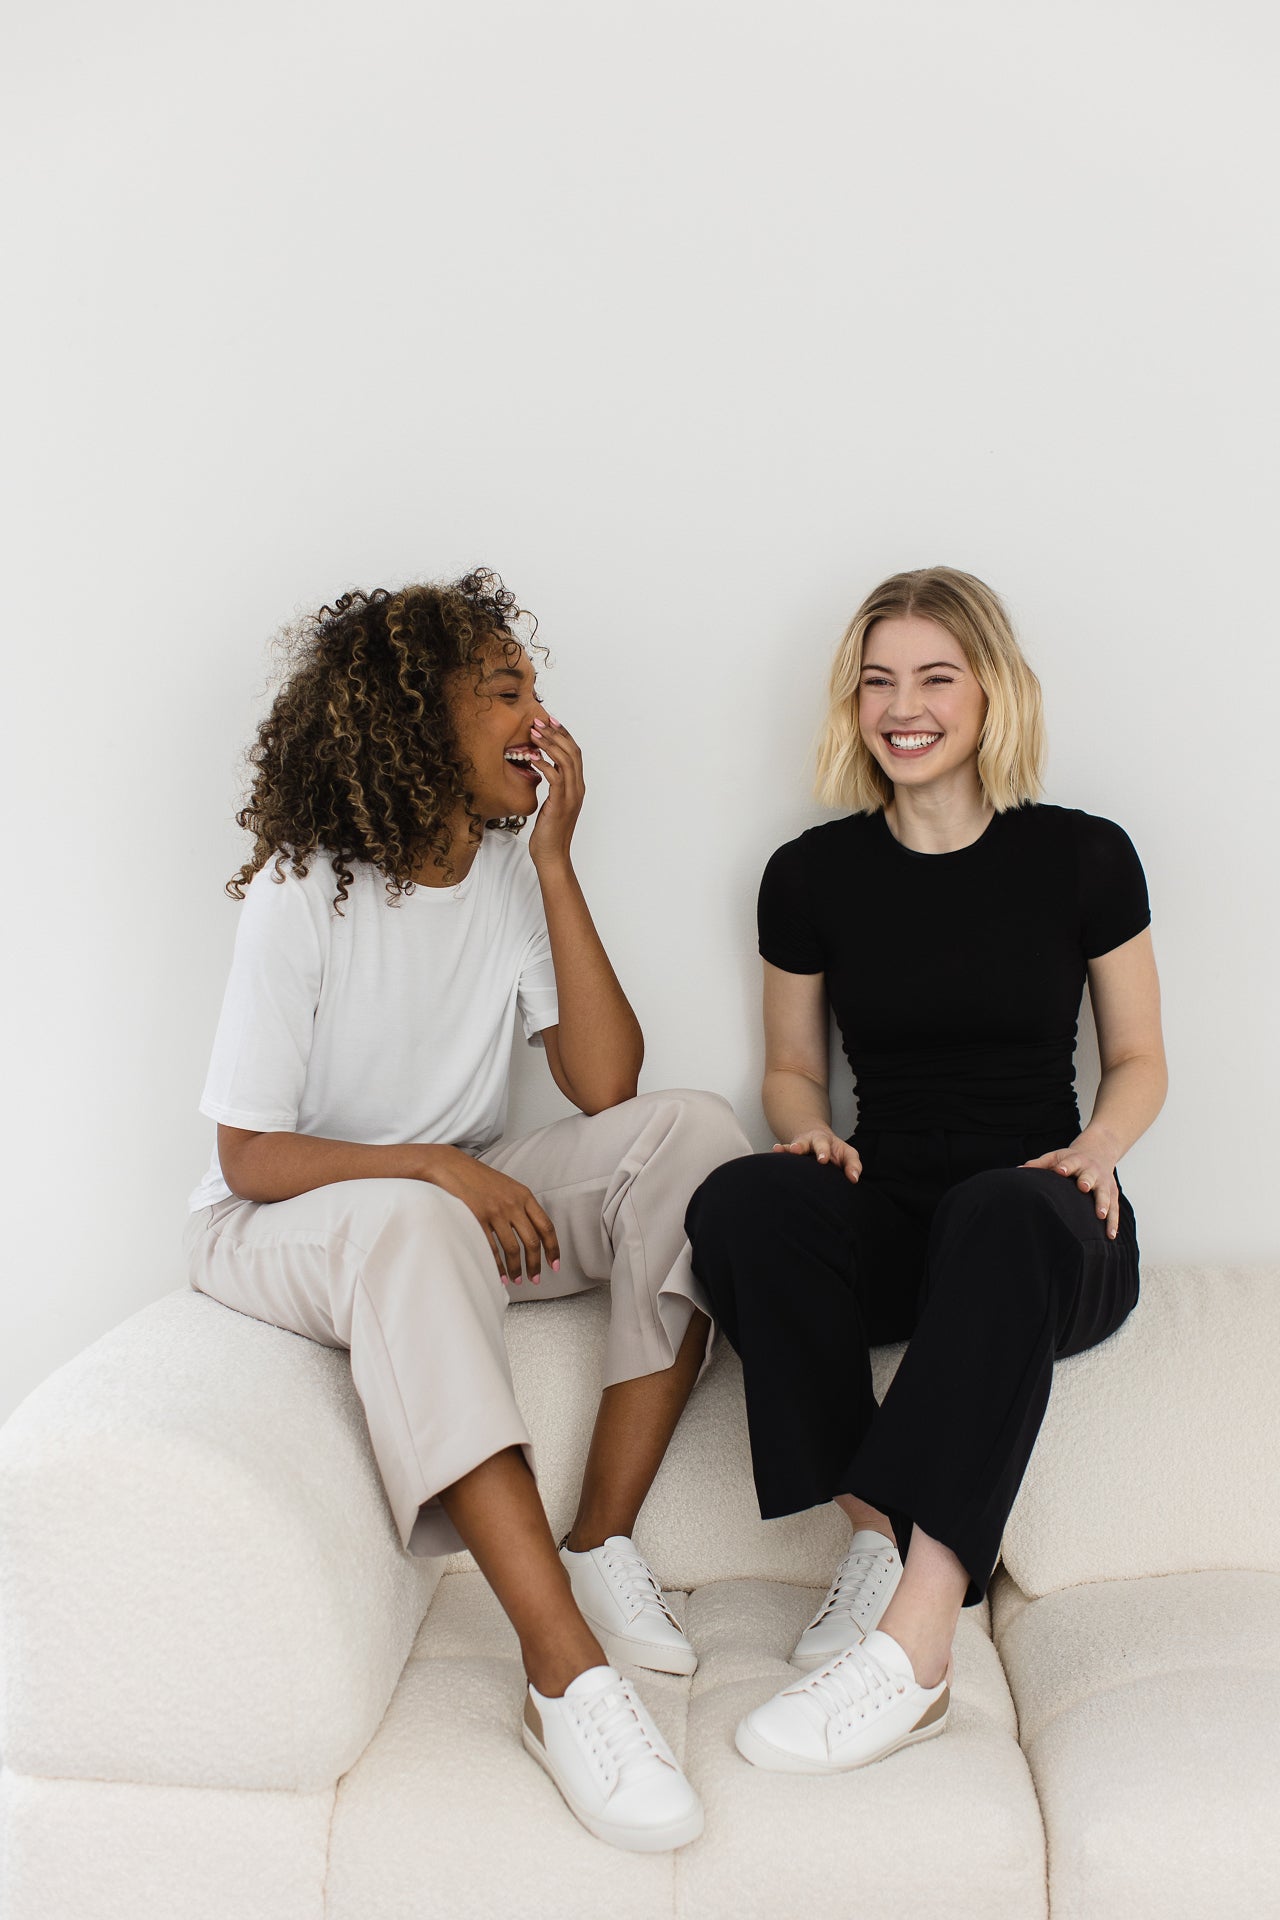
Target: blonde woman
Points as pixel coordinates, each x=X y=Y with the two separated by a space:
x=951 y=924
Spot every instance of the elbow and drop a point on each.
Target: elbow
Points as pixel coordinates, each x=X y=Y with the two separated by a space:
x=236 y=1158
x=242 y=1184
x=613 y=1094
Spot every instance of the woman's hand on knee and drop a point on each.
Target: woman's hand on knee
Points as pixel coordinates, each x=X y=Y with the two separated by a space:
x=518 y=1230
x=827 y=1148
x=1087 y=1162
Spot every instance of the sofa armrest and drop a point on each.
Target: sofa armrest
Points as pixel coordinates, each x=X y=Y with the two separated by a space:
x=200 y=1580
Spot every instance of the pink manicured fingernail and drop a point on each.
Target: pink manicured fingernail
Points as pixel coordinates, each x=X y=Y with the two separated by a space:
x=555 y=1266
x=516 y=1279
x=555 y=723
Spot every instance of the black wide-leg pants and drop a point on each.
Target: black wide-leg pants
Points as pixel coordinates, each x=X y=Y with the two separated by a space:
x=990 y=1270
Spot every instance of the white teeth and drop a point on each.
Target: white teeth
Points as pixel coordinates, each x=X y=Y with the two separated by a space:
x=521 y=756
x=907 y=742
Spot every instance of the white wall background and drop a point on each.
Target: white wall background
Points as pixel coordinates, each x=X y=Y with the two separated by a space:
x=694 y=319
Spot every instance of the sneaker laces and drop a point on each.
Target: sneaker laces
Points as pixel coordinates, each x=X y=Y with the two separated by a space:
x=846 y=1589
x=846 y=1686
x=635 y=1582
x=618 y=1721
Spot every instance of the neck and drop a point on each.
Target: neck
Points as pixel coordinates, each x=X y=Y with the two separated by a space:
x=462 y=850
x=942 y=817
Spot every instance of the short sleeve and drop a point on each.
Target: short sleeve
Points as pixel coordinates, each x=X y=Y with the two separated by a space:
x=789 y=937
x=263 y=1042
x=536 y=993
x=1113 y=888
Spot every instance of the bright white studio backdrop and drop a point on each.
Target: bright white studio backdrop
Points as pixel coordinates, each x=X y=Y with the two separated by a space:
x=694 y=320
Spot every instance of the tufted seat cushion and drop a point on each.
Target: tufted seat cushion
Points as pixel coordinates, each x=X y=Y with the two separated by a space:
x=952 y=1828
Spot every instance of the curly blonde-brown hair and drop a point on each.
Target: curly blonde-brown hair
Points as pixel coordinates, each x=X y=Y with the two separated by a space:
x=357 y=757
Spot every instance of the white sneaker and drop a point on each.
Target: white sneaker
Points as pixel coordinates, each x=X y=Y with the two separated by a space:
x=863 y=1586
x=622 y=1603
x=860 y=1707
x=615 y=1770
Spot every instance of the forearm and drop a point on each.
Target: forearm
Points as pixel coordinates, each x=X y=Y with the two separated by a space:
x=793 y=1103
x=277 y=1166
x=601 y=1045
x=1130 y=1095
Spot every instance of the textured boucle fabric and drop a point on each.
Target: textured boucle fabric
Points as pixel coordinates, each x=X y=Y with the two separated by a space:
x=950 y=1828
x=200 y=1582
x=90 y=1850
x=1157 y=1452
x=1149 y=1711
x=446 y=1815
x=1061 y=1650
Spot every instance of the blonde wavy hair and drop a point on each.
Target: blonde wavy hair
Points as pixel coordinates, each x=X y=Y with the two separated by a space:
x=1011 y=747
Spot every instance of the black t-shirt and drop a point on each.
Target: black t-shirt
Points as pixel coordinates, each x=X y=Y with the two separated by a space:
x=956 y=978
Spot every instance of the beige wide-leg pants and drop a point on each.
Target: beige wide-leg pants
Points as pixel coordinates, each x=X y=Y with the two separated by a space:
x=403 y=1275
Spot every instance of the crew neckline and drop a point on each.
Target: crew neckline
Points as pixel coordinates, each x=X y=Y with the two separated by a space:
x=449 y=896
x=953 y=853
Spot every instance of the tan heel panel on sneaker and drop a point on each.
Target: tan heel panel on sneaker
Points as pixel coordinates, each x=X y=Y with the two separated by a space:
x=533 y=1719
x=938 y=1711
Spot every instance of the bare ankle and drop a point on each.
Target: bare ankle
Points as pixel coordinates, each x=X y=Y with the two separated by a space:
x=926 y=1644
x=862 y=1517
x=584 y=1537
x=551 y=1670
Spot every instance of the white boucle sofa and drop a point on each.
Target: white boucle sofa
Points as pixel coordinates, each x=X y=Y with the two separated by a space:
x=228 y=1694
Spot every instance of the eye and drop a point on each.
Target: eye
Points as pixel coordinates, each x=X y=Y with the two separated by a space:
x=940 y=680
x=873 y=680
x=509 y=694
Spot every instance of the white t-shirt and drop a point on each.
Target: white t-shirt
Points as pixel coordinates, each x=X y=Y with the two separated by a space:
x=383 y=1024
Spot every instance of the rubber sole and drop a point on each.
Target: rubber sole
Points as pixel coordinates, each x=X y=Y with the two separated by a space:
x=762 y=1753
x=677 y=1833
x=642 y=1653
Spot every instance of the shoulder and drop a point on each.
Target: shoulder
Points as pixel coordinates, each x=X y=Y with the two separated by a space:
x=1069 y=828
x=831 y=843
x=278 y=896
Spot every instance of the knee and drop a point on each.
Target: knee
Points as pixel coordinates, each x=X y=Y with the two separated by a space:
x=999 y=1199
x=704 y=1125
x=408 y=1226
x=729 y=1204
x=987 y=1230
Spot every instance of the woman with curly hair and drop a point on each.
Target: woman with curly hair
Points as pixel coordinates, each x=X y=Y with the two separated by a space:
x=362 y=1192
x=951 y=926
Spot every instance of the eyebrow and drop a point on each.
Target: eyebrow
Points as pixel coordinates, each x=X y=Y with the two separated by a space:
x=507 y=673
x=869 y=666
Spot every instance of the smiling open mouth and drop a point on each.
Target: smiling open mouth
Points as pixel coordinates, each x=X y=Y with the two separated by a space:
x=912 y=742
x=525 y=761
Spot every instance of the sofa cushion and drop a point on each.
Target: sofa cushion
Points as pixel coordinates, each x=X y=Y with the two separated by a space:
x=950 y=1828
x=104 y=1850
x=1148 y=1712
x=1157 y=1452
x=201 y=1583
